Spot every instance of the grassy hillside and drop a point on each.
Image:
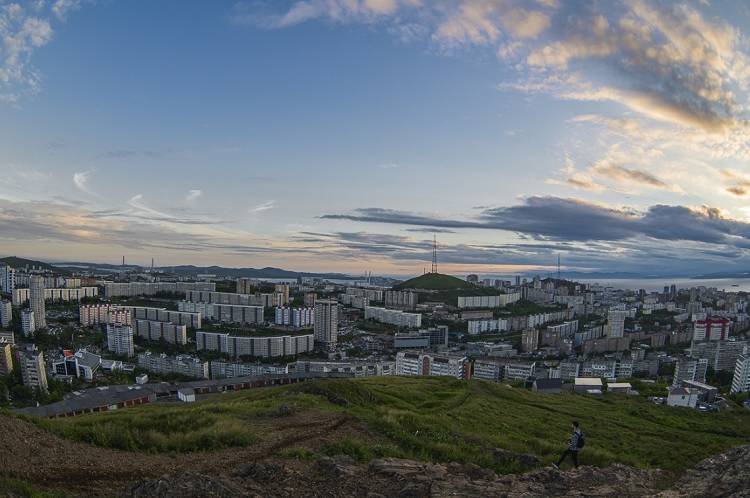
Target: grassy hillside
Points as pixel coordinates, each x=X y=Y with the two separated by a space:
x=435 y=419
x=434 y=281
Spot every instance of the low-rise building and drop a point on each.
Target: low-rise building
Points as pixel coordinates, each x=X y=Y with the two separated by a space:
x=431 y=364
x=588 y=385
x=683 y=397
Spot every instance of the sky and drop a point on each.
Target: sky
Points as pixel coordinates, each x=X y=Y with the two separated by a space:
x=343 y=135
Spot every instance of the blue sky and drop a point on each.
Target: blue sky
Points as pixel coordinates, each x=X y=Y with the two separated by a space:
x=341 y=134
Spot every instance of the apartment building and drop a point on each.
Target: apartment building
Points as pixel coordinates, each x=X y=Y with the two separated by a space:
x=94 y=314
x=188 y=366
x=6 y=313
x=254 y=346
x=21 y=296
x=33 y=372
x=432 y=364
x=120 y=339
x=129 y=289
x=155 y=331
x=393 y=317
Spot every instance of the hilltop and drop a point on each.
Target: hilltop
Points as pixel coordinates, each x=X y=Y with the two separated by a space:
x=348 y=437
x=434 y=281
x=16 y=262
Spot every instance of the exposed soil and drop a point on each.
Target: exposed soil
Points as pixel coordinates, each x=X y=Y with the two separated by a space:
x=48 y=461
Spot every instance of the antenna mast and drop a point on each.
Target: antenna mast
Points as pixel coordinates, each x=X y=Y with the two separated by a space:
x=434 y=254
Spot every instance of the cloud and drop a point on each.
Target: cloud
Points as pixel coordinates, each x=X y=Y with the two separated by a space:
x=61 y=8
x=389 y=166
x=564 y=219
x=263 y=207
x=193 y=195
x=141 y=211
x=81 y=181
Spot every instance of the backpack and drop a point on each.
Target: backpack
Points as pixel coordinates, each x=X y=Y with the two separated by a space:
x=581 y=441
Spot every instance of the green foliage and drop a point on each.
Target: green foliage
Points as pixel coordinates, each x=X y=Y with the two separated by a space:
x=435 y=281
x=301 y=454
x=433 y=419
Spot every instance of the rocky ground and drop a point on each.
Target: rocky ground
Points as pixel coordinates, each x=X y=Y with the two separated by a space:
x=34 y=455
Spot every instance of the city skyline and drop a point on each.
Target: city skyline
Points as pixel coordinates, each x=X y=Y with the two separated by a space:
x=340 y=135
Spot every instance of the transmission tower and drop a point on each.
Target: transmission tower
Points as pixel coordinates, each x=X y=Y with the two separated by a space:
x=434 y=254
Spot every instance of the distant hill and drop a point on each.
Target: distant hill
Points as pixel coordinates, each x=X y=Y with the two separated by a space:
x=220 y=271
x=434 y=281
x=16 y=262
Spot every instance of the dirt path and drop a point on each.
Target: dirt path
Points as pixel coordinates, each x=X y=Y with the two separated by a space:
x=32 y=454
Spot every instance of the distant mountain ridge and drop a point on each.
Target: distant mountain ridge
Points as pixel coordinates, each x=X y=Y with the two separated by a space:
x=219 y=271
x=16 y=262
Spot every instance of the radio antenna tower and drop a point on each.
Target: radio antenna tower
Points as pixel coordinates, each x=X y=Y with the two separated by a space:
x=434 y=254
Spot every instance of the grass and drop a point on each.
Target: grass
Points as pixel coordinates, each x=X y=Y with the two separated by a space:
x=432 y=419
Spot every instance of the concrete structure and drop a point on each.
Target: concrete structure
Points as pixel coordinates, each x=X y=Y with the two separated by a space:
x=588 y=385
x=28 y=322
x=326 y=325
x=690 y=369
x=188 y=319
x=547 y=386
x=741 y=379
x=247 y=285
x=155 y=331
x=431 y=364
x=6 y=313
x=254 y=346
x=310 y=298
x=529 y=340
x=350 y=368
x=393 y=317
x=488 y=301
x=33 y=373
x=683 y=397
x=7 y=279
x=82 y=365
x=20 y=296
x=225 y=313
x=402 y=300
x=120 y=339
x=129 y=289
x=188 y=366
x=295 y=317
x=616 y=323
x=36 y=301
x=6 y=357
x=95 y=314
x=186 y=395
x=434 y=337
x=282 y=294
x=711 y=329
x=226 y=370
x=721 y=355
x=619 y=387
x=209 y=297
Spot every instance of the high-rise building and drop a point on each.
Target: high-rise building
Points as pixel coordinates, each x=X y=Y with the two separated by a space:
x=741 y=379
x=310 y=298
x=282 y=294
x=7 y=279
x=690 y=369
x=616 y=323
x=6 y=314
x=120 y=339
x=6 y=357
x=529 y=340
x=711 y=329
x=246 y=285
x=33 y=373
x=36 y=301
x=28 y=322
x=326 y=326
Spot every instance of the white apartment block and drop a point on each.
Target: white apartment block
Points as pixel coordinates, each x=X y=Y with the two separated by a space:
x=741 y=379
x=353 y=301
x=155 y=331
x=431 y=364
x=326 y=322
x=355 y=368
x=181 y=364
x=404 y=300
x=6 y=313
x=225 y=313
x=264 y=300
x=485 y=326
x=565 y=329
x=254 y=346
x=33 y=372
x=94 y=314
x=616 y=323
x=20 y=296
x=188 y=319
x=36 y=301
x=690 y=369
x=120 y=339
x=295 y=317
x=393 y=317
x=228 y=370
x=7 y=279
x=28 y=323
x=467 y=302
x=371 y=294
x=129 y=289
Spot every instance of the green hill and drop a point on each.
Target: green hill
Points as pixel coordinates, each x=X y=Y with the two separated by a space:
x=434 y=281
x=428 y=418
x=16 y=262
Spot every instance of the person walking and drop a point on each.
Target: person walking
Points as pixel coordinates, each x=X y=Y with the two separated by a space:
x=575 y=443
